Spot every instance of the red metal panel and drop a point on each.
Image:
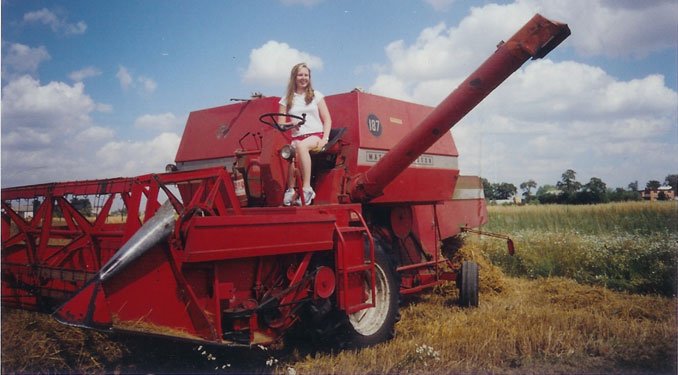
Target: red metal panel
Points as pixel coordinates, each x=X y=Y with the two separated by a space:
x=464 y=208
x=467 y=208
x=455 y=214
x=368 y=141
x=419 y=185
x=215 y=132
x=396 y=119
x=424 y=227
x=282 y=231
x=151 y=296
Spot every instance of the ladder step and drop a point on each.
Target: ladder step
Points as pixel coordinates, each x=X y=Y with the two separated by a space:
x=358 y=268
x=355 y=269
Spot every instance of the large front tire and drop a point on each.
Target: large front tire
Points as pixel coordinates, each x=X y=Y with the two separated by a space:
x=377 y=324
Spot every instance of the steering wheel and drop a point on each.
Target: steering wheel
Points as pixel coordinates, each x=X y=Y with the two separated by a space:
x=271 y=119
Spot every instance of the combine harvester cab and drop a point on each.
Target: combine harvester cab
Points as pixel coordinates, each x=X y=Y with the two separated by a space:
x=222 y=261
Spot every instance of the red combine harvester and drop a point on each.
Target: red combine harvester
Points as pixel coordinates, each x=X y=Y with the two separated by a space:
x=222 y=261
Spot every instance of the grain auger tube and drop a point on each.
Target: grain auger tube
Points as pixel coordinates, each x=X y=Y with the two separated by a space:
x=534 y=40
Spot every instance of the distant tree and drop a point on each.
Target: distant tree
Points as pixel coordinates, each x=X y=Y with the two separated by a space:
x=547 y=194
x=633 y=186
x=546 y=189
x=596 y=185
x=597 y=191
x=488 y=189
x=497 y=191
x=36 y=205
x=617 y=195
x=504 y=190
x=82 y=205
x=621 y=195
x=568 y=183
x=672 y=180
x=653 y=185
x=122 y=212
x=527 y=187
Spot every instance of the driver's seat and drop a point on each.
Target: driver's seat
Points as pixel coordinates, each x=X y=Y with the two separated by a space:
x=335 y=135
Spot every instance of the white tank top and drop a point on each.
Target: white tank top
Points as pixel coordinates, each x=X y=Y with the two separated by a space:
x=313 y=123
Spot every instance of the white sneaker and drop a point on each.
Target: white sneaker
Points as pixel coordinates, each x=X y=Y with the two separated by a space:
x=289 y=197
x=308 y=196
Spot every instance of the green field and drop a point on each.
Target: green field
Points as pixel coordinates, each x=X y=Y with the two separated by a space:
x=623 y=246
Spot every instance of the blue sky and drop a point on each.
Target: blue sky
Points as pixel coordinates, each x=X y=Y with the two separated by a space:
x=94 y=89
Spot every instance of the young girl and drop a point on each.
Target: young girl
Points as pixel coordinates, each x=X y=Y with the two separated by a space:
x=312 y=134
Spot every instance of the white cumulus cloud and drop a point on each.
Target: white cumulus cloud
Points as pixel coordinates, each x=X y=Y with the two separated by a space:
x=95 y=134
x=139 y=157
x=84 y=73
x=127 y=80
x=271 y=63
x=18 y=59
x=164 y=121
x=615 y=27
x=148 y=85
x=48 y=134
x=56 y=24
x=440 y=5
x=48 y=131
x=124 y=77
x=55 y=105
x=550 y=116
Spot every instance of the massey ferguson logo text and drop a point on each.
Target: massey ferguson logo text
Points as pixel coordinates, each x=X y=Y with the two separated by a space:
x=374 y=156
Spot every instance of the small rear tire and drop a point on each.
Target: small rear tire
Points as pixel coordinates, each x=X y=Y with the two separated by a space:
x=468 y=284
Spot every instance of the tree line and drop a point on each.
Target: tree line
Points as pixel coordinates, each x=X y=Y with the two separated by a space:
x=570 y=191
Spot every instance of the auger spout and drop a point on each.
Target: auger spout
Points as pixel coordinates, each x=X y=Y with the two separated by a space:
x=534 y=40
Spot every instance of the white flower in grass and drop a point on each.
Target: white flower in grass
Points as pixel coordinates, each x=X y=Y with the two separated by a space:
x=271 y=361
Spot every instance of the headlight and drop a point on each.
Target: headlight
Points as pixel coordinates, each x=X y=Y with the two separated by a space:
x=287 y=152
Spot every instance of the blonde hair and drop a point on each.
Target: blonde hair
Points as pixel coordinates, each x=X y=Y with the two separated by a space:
x=292 y=86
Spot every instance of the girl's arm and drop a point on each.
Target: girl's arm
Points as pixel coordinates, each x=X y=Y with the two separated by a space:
x=325 y=118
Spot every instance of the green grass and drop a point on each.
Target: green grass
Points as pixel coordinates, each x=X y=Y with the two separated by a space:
x=642 y=218
x=623 y=246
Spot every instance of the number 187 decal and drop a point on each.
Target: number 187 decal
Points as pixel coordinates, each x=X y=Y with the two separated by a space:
x=374 y=125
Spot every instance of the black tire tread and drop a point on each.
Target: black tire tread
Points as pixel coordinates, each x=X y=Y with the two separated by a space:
x=468 y=285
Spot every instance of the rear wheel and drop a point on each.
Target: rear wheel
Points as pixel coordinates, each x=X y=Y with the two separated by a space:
x=468 y=284
x=377 y=324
